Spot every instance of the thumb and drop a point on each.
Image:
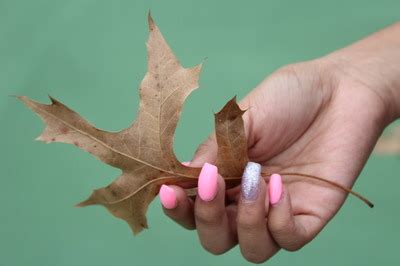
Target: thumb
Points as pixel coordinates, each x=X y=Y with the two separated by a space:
x=206 y=152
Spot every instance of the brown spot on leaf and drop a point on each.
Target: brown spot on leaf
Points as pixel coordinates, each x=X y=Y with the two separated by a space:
x=64 y=130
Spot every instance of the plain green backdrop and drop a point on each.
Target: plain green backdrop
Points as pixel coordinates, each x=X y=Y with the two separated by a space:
x=91 y=55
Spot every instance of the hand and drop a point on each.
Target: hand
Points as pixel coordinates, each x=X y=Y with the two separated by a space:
x=315 y=118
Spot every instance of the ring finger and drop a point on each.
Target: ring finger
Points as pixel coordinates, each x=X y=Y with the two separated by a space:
x=256 y=243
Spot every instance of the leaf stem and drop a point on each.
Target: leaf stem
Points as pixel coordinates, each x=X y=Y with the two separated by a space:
x=369 y=203
x=264 y=174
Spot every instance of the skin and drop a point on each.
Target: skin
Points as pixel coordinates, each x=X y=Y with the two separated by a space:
x=321 y=117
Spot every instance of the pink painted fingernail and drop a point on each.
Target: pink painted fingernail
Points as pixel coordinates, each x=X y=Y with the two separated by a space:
x=186 y=163
x=275 y=188
x=168 y=197
x=208 y=182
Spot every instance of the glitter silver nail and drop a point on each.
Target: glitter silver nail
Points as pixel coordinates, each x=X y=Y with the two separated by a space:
x=251 y=181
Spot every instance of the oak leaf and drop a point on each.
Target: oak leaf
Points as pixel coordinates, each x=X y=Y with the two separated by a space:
x=144 y=151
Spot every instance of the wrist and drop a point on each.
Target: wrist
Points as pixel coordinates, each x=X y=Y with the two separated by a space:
x=374 y=64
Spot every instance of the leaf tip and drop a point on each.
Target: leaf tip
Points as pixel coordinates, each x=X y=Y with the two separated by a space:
x=138 y=228
x=22 y=98
x=196 y=70
x=39 y=138
x=234 y=101
x=150 y=21
x=135 y=232
x=86 y=202
x=14 y=96
x=53 y=100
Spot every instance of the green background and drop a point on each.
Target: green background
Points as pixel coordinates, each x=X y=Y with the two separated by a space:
x=91 y=55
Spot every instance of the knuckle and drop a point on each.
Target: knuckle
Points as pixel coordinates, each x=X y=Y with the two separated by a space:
x=174 y=215
x=294 y=245
x=185 y=224
x=254 y=257
x=246 y=223
x=186 y=221
x=215 y=250
x=208 y=216
x=188 y=227
x=287 y=74
x=286 y=235
x=280 y=227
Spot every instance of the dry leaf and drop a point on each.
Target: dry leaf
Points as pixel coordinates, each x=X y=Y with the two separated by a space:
x=144 y=151
x=231 y=140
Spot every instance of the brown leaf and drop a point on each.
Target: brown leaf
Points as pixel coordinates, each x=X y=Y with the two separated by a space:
x=144 y=151
x=231 y=140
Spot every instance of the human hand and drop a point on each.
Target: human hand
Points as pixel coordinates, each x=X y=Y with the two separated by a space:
x=318 y=118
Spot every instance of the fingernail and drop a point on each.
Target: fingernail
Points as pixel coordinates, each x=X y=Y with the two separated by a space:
x=251 y=181
x=186 y=163
x=168 y=197
x=275 y=188
x=208 y=182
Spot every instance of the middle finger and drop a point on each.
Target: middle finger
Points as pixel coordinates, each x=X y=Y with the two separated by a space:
x=256 y=243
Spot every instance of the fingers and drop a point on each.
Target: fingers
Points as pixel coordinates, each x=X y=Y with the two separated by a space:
x=288 y=231
x=211 y=217
x=177 y=206
x=256 y=244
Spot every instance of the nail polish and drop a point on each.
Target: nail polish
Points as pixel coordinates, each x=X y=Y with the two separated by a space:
x=250 y=187
x=275 y=188
x=168 y=197
x=208 y=183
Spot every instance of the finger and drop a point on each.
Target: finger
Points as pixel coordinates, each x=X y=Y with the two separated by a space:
x=177 y=206
x=256 y=244
x=206 y=152
x=287 y=230
x=212 y=222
